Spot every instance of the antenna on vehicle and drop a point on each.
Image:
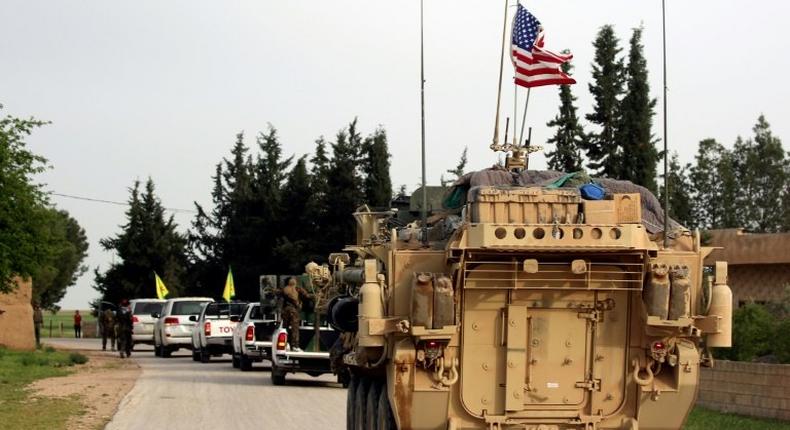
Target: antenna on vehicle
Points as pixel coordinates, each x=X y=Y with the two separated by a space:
x=666 y=154
x=424 y=212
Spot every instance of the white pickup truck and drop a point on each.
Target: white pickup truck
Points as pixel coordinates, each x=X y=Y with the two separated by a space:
x=214 y=330
x=252 y=337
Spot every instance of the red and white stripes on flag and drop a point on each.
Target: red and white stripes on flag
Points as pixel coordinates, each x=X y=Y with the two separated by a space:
x=538 y=67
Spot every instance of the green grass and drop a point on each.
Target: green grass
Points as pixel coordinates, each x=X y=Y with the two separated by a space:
x=19 y=409
x=705 y=419
x=65 y=316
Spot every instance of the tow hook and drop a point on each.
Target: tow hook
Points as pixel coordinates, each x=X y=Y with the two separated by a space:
x=438 y=373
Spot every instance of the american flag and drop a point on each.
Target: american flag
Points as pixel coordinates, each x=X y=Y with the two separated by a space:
x=535 y=66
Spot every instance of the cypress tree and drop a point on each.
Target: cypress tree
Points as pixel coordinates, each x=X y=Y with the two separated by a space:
x=569 y=136
x=292 y=247
x=148 y=242
x=344 y=189
x=639 y=155
x=608 y=77
x=680 y=205
x=376 y=168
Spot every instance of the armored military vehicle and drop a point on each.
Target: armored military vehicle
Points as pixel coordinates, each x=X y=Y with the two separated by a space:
x=531 y=307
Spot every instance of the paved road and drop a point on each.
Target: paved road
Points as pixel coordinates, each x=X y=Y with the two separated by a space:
x=178 y=393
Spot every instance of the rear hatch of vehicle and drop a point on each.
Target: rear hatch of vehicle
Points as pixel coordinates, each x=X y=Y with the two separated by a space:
x=217 y=319
x=143 y=322
x=177 y=324
x=264 y=330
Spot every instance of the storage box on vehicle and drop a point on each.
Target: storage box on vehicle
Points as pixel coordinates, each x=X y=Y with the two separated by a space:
x=534 y=205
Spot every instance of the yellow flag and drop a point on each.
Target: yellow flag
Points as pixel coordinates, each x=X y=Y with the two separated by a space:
x=230 y=289
x=161 y=290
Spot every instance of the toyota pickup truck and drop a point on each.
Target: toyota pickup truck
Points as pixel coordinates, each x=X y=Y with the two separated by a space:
x=214 y=330
x=252 y=337
x=316 y=336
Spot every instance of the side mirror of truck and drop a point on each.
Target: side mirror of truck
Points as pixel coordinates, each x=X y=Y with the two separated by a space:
x=235 y=318
x=193 y=318
x=155 y=315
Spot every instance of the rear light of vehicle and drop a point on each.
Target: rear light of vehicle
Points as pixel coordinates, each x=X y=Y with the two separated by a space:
x=207 y=328
x=171 y=321
x=282 y=339
x=135 y=320
x=250 y=334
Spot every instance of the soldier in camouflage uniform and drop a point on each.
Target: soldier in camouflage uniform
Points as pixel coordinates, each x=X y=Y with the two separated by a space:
x=123 y=329
x=107 y=329
x=292 y=296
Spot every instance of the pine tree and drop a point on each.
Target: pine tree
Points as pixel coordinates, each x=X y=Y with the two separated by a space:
x=457 y=172
x=376 y=168
x=639 y=155
x=147 y=243
x=761 y=171
x=569 y=136
x=344 y=189
x=680 y=204
x=608 y=77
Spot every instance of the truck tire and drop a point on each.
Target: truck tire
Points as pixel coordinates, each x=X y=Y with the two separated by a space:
x=385 y=421
x=350 y=402
x=278 y=376
x=205 y=357
x=245 y=364
x=360 y=400
x=371 y=404
x=234 y=360
x=166 y=352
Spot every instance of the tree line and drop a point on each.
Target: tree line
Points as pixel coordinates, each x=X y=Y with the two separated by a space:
x=37 y=240
x=269 y=214
x=746 y=186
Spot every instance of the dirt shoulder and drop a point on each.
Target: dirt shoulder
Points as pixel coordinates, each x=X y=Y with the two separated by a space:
x=100 y=385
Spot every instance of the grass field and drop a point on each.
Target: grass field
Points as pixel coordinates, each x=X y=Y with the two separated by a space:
x=20 y=409
x=706 y=419
x=66 y=317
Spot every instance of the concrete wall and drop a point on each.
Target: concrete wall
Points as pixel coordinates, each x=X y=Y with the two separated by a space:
x=16 y=319
x=761 y=283
x=754 y=389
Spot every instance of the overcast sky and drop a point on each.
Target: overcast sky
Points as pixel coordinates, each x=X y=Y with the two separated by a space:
x=160 y=88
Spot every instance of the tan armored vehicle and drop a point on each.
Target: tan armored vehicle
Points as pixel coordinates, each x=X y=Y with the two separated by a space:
x=532 y=309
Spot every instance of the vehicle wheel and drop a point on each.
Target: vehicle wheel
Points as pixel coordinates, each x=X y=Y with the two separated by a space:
x=350 y=402
x=278 y=376
x=235 y=361
x=371 y=404
x=166 y=352
x=360 y=400
x=245 y=364
x=205 y=357
x=385 y=419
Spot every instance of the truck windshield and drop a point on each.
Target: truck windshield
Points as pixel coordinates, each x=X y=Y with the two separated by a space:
x=219 y=310
x=187 y=308
x=147 y=308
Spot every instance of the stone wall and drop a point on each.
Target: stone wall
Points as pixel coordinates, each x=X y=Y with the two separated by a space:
x=16 y=317
x=754 y=389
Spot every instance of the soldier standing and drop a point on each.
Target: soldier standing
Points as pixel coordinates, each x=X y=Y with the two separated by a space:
x=38 y=321
x=107 y=329
x=292 y=295
x=123 y=329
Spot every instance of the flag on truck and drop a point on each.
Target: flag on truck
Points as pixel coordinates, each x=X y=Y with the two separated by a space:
x=161 y=290
x=534 y=65
x=230 y=289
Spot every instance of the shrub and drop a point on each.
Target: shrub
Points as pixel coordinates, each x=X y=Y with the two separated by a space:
x=782 y=342
x=753 y=330
x=77 y=358
x=49 y=350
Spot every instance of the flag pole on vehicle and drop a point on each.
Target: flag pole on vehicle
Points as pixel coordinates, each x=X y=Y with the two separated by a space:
x=424 y=212
x=666 y=169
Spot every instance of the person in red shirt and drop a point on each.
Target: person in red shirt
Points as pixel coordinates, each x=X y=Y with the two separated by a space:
x=77 y=324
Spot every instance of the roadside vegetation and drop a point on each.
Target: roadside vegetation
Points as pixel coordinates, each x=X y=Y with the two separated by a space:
x=21 y=409
x=706 y=419
x=65 y=317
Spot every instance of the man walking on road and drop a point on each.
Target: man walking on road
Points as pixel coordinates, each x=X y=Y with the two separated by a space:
x=107 y=329
x=38 y=321
x=291 y=313
x=123 y=329
x=77 y=324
